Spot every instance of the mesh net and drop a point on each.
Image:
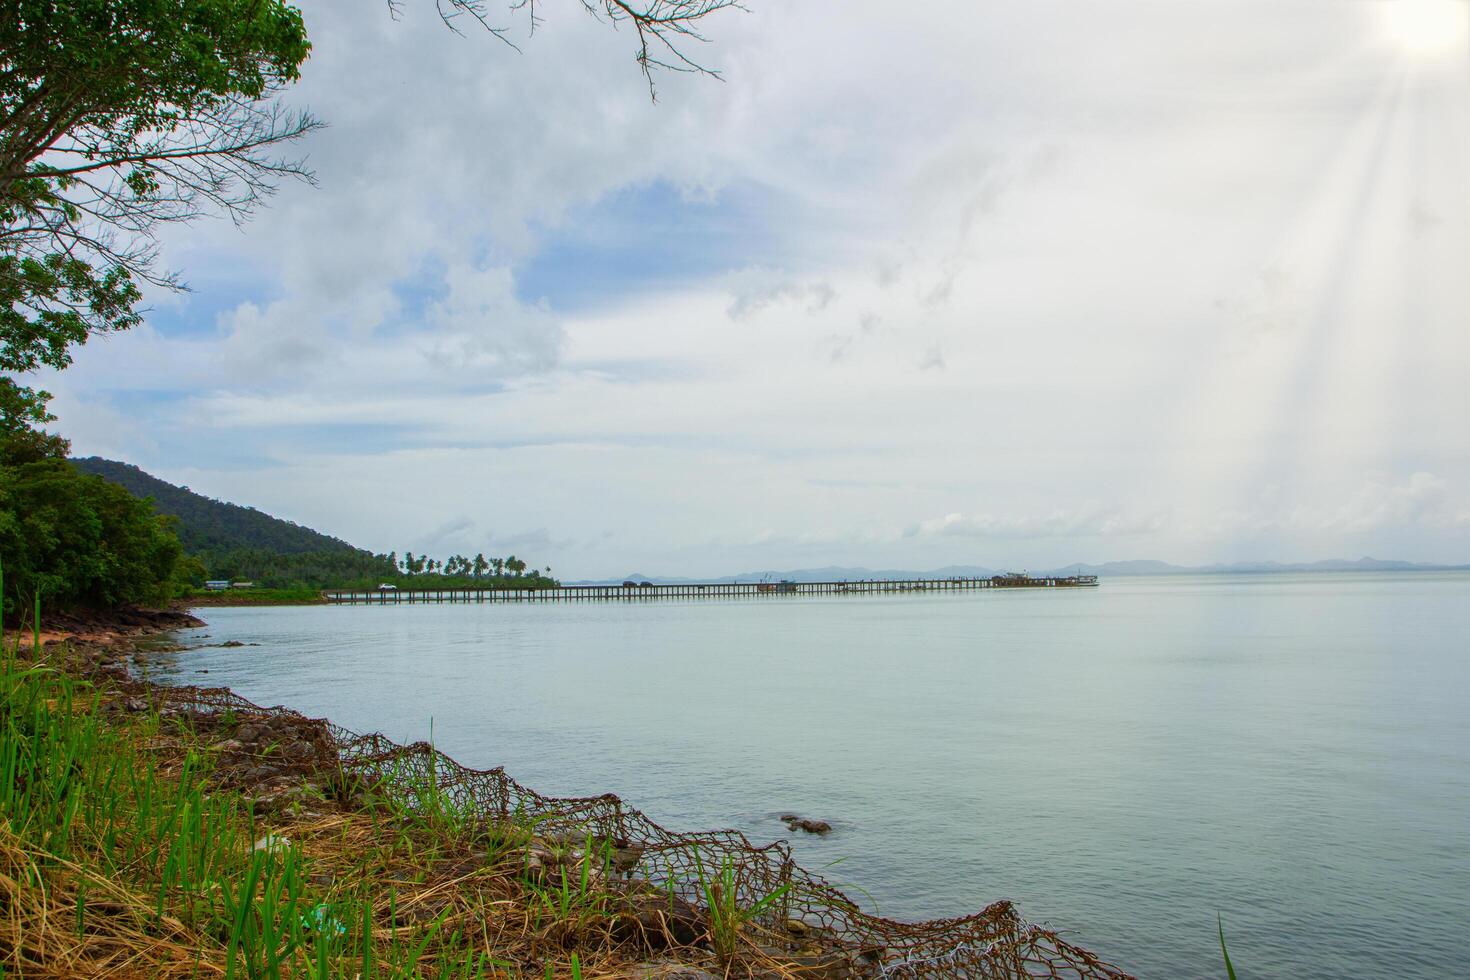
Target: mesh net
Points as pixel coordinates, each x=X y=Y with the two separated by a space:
x=995 y=942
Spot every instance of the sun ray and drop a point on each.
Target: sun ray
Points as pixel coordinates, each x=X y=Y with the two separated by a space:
x=1426 y=28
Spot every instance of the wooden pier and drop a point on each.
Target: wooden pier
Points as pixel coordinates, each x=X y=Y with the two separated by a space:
x=645 y=591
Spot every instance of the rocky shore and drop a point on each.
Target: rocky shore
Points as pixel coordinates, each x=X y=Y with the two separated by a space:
x=581 y=887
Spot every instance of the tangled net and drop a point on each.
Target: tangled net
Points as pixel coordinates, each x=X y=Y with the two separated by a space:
x=992 y=943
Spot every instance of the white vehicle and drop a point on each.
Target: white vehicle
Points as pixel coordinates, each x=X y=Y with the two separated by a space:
x=385 y=587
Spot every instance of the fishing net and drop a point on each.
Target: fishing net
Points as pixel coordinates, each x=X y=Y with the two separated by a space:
x=992 y=943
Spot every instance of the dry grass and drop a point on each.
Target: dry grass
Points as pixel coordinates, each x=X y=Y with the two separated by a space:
x=134 y=847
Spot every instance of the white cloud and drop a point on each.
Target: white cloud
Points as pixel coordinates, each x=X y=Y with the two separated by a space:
x=1086 y=522
x=810 y=297
x=1112 y=271
x=1418 y=499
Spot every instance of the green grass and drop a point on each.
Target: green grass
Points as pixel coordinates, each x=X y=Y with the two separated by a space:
x=253 y=597
x=727 y=916
x=109 y=842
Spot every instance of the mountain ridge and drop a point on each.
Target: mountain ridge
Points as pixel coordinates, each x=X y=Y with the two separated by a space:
x=210 y=525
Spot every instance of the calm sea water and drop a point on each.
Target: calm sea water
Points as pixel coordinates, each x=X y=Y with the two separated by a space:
x=1292 y=752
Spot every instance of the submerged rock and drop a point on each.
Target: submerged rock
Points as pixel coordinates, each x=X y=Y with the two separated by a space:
x=794 y=822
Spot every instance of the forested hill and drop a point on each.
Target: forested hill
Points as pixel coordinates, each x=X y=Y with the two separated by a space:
x=207 y=525
x=241 y=543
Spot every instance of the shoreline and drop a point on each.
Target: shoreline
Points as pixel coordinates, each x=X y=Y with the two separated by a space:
x=813 y=930
x=251 y=597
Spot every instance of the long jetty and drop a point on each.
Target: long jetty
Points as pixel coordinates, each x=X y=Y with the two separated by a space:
x=644 y=591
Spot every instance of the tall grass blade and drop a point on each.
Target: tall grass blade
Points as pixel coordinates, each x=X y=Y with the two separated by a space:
x=1229 y=969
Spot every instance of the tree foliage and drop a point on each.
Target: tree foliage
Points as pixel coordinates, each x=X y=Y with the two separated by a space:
x=361 y=570
x=241 y=543
x=79 y=540
x=117 y=116
x=209 y=525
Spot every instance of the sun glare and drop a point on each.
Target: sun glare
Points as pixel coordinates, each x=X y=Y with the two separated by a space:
x=1427 y=27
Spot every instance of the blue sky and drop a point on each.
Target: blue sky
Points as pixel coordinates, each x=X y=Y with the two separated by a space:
x=650 y=238
x=1005 y=285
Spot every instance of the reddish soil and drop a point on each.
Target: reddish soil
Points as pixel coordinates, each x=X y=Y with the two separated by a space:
x=106 y=626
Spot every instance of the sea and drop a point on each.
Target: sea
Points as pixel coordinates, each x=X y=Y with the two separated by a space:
x=1286 y=755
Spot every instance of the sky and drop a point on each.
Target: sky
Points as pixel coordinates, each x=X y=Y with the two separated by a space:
x=1003 y=284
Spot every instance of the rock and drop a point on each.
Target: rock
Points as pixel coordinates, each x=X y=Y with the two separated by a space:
x=810 y=826
x=625 y=859
x=536 y=860
x=298 y=751
x=660 y=921
x=271 y=842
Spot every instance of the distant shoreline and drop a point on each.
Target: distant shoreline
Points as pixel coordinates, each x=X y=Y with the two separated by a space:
x=238 y=598
x=1109 y=570
x=252 y=597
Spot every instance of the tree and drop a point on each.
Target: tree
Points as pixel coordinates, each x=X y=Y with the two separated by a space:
x=117 y=116
x=75 y=538
x=515 y=565
x=481 y=565
x=664 y=29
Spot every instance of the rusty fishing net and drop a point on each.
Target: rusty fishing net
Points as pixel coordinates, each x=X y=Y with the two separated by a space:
x=992 y=943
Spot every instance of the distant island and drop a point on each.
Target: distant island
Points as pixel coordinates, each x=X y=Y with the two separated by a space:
x=838 y=573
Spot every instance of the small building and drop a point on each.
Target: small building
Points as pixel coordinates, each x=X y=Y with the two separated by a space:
x=217 y=585
x=243 y=585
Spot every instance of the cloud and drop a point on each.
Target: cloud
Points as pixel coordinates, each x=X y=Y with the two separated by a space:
x=810 y=297
x=480 y=327
x=933 y=359
x=798 y=308
x=1421 y=499
x=1084 y=523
